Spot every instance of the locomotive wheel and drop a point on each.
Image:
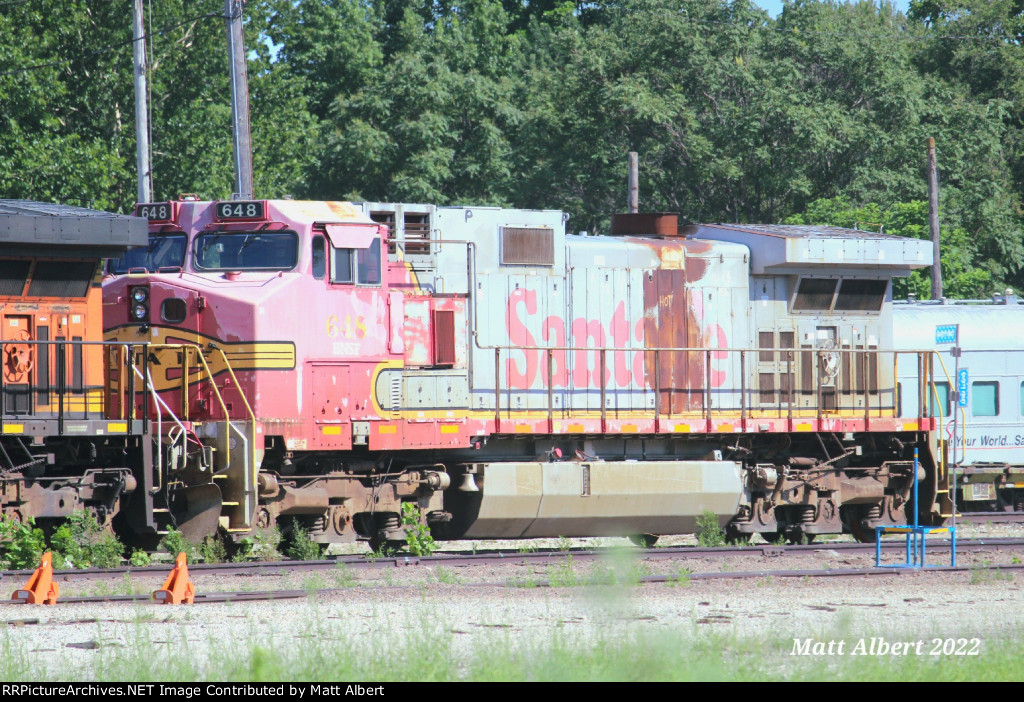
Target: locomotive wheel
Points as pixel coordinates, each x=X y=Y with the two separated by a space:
x=644 y=540
x=772 y=537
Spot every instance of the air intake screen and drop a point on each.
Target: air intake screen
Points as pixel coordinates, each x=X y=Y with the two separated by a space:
x=527 y=246
x=12 y=277
x=861 y=295
x=61 y=278
x=815 y=294
x=444 y=338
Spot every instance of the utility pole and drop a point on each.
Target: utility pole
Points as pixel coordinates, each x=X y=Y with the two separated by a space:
x=145 y=189
x=933 y=220
x=634 y=183
x=239 y=99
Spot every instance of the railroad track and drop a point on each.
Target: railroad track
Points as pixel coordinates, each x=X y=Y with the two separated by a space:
x=991 y=517
x=277 y=568
x=681 y=578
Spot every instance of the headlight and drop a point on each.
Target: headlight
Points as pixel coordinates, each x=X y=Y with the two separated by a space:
x=140 y=294
x=140 y=312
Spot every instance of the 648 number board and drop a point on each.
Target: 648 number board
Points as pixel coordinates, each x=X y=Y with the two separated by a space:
x=155 y=211
x=241 y=210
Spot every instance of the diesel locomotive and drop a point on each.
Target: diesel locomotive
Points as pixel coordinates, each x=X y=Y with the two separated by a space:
x=61 y=448
x=329 y=363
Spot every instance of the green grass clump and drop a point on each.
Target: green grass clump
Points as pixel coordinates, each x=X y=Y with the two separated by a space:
x=502 y=650
x=709 y=533
x=213 y=549
x=301 y=547
x=261 y=546
x=174 y=542
x=417 y=534
x=82 y=542
x=564 y=574
x=21 y=544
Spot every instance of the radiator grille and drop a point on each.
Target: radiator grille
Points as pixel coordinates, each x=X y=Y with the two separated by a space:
x=61 y=278
x=522 y=246
x=12 y=277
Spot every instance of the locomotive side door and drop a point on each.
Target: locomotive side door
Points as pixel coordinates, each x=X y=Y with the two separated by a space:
x=331 y=405
x=18 y=355
x=775 y=336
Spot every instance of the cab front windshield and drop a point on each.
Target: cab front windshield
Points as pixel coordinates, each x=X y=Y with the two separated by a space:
x=234 y=251
x=163 y=251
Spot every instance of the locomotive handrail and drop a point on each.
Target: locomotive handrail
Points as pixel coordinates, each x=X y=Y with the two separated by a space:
x=249 y=446
x=875 y=397
x=159 y=402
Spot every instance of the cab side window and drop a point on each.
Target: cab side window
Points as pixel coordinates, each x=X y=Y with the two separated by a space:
x=368 y=264
x=319 y=257
x=341 y=265
x=360 y=266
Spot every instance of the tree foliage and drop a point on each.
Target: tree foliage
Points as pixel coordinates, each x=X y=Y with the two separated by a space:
x=819 y=114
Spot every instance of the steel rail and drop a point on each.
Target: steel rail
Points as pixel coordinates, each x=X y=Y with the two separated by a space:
x=280 y=568
x=268 y=595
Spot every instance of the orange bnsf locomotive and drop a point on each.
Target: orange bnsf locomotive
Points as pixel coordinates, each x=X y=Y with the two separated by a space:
x=332 y=363
x=61 y=449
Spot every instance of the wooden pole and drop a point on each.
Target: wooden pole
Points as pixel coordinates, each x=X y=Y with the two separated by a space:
x=634 y=183
x=933 y=220
x=145 y=187
x=243 y=189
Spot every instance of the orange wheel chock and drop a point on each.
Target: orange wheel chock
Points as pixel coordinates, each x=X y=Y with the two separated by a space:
x=40 y=588
x=177 y=589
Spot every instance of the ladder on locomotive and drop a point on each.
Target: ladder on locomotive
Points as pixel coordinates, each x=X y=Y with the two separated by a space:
x=233 y=468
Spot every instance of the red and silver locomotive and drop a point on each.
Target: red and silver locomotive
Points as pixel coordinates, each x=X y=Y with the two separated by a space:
x=330 y=362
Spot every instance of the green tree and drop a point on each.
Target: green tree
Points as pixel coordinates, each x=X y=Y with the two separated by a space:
x=430 y=123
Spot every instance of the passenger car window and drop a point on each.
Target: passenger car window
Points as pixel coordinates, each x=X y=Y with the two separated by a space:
x=985 y=398
x=942 y=392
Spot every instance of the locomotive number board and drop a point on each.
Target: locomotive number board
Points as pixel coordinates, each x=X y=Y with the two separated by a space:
x=241 y=209
x=156 y=211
